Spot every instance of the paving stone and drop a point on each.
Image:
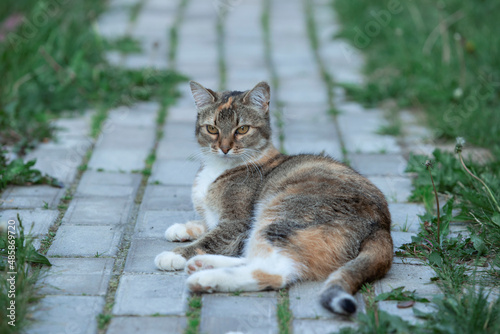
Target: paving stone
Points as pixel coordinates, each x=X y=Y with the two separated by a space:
x=149 y=325
x=395 y=188
x=406 y=313
x=85 y=241
x=108 y=184
x=142 y=253
x=26 y=197
x=119 y=160
x=412 y=277
x=328 y=147
x=152 y=224
x=405 y=216
x=66 y=314
x=175 y=172
x=60 y=159
x=401 y=238
x=238 y=314
x=378 y=164
x=321 y=326
x=304 y=302
x=175 y=198
x=77 y=276
x=35 y=221
x=163 y=294
x=98 y=211
x=168 y=149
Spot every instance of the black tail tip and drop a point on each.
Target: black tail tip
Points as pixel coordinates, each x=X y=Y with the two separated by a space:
x=336 y=300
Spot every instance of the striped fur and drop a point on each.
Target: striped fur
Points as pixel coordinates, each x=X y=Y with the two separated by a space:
x=272 y=219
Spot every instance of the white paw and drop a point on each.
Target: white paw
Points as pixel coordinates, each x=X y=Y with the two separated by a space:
x=211 y=261
x=170 y=261
x=205 y=281
x=178 y=232
x=198 y=263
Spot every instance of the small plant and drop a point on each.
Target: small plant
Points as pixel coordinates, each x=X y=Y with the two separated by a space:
x=20 y=265
x=284 y=314
x=103 y=320
x=193 y=314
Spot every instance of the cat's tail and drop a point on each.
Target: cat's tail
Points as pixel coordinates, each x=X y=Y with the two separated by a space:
x=373 y=261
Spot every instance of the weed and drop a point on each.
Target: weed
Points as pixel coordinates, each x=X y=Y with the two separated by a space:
x=193 y=314
x=103 y=320
x=449 y=72
x=19 y=270
x=124 y=44
x=284 y=314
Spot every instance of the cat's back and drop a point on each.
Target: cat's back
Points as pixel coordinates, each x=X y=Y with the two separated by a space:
x=309 y=181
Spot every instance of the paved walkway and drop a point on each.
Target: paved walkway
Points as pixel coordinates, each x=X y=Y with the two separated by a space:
x=103 y=250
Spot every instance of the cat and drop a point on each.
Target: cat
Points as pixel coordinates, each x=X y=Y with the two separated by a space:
x=270 y=219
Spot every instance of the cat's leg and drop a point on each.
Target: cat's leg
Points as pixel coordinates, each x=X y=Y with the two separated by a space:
x=212 y=261
x=225 y=239
x=272 y=272
x=189 y=231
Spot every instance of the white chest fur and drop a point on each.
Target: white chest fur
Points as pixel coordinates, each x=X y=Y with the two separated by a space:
x=207 y=175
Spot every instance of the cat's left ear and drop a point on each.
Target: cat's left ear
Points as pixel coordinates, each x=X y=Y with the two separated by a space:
x=258 y=97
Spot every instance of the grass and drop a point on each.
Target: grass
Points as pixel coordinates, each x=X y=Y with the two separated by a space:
x=440 y=59
x=20 y=267
x=193 y=315
x=283 y=312
x=59 y=68
x=443 y=59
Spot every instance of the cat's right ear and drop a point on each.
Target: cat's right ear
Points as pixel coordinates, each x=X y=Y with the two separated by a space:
x=203 y=97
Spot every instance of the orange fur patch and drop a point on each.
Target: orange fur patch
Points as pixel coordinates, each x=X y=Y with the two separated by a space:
x=320 y=250
x=267 y=281
x=226 y=105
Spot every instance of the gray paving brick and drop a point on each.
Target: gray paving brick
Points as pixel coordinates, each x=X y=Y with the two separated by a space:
x=85 y=241
x=36 y=221
x=321 y=326
x=400 y=238
x=152 y=224
x=119 y=160
x=142 y=253
x=60 y=159
x=313 y=147
x=406 y=313
x=412 y=277
x=175 y=172
x=304 y=302
x=175 y=198
x=98 y=211
x=395 y=188
x=222 y=314
x=378 y=164
x=66 y=314
x=177 y=149
x=27 y=197
x=149 y=325
x=77 y=276
x=405 y=216
x=163 y=294
x=108 y=184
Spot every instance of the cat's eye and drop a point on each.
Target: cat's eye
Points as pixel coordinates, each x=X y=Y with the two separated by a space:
x=212 y=129
x=242 y=130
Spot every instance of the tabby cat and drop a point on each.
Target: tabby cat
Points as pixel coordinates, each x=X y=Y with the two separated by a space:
x=271 y=219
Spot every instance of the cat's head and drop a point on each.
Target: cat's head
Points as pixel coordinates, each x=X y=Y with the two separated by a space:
x=232 y=124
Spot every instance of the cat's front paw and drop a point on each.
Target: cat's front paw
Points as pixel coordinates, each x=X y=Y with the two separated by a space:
x=198 y=263
x=192 y=230
x=170 y=261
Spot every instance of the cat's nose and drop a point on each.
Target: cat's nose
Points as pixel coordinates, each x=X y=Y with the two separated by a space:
x=225 y=149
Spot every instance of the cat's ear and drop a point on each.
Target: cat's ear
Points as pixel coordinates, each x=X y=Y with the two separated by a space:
x=258 y=97
x=203 y=97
